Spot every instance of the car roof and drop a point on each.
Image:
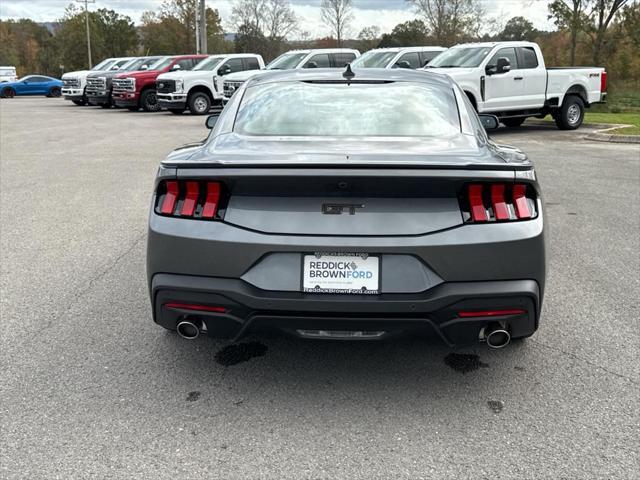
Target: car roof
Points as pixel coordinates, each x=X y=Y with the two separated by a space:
x=407 y=49
x=233 y=55
x=516 y=43
x=324 y=50
x=361 y=74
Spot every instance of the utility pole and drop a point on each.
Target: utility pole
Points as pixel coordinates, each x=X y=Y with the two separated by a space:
x=86 y=17
x=201 y=27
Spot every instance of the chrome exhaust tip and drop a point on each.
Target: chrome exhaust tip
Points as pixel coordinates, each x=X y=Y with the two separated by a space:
x=189 y=329
x=497 y=336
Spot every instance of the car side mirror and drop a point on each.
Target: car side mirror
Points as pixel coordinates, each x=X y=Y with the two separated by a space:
x=212 y=120
x=312 y=65
x=224 y=70
x=403 y=64
x=176 y=67
x=503 y=66
x=489 y=122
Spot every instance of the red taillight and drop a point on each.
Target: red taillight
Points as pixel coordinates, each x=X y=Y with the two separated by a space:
x=478 y=212
x=498 y=202
x=520 y=201
x=189 y=199
x=603 y=81
x=491 y=313
x=198 y=308
x=211 y=202
x=170 y=198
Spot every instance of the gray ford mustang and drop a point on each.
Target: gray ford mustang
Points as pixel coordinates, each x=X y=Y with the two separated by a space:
x=348 y=205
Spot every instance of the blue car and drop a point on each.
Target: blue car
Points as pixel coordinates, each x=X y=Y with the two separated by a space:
x=32 y=85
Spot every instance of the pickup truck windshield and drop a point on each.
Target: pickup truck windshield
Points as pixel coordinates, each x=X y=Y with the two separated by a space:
x=373 y=59
x=208 y=64
x=286 y=61
x=136 y=64
x=460 y=57
x=161 y=63
x=119 y=64
x=104 y=65
x=399 y=109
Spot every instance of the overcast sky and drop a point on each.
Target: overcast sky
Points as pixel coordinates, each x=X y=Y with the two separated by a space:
x=383 y=13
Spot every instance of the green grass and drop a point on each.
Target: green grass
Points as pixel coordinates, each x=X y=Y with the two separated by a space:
x=620 y=118
x=627 y=118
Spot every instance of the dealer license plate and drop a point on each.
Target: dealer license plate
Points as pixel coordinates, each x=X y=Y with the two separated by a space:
x=341 y=273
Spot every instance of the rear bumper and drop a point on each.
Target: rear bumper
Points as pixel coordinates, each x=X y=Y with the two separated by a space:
x=472 y=267
x=434 y=313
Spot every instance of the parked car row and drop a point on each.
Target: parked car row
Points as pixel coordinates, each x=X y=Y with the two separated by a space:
x=506 y=79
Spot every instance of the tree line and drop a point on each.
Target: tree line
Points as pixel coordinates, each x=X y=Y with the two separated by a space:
x=587 y=32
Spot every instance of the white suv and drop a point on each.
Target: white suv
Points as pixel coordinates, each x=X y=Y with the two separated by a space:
x=200 y=88
x=295 y=59
x=401 y=57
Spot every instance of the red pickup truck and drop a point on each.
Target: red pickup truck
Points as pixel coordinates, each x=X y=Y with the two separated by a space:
x=135 y=90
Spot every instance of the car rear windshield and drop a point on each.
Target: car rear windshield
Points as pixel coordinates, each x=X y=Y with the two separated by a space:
x=373 y=59
x=337 y=109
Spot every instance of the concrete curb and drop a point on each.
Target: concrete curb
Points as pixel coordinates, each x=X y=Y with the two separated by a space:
x=603 y=136
x=600 y=135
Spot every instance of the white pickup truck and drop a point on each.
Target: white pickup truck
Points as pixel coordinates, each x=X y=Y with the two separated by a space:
x=8 y=74
x=397 y=57
x=201 y=87
x=510 y=80
x=74 y=83
x=294 y=59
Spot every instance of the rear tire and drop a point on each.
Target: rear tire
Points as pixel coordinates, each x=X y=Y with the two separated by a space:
x=149 y=101
x=199 y=103
x=176 y=111
x=571 y=114
x=8 y=92
x=513 y=122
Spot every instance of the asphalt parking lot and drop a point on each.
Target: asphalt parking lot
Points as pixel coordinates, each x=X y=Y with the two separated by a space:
x=92 y=388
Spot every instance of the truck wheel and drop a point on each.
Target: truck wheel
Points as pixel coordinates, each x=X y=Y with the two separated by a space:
x=199 y=103
x=513 y=122
x=105 y=105
x=132 y=109
x=176 y=111
x=149 y=101
x=571 y=113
